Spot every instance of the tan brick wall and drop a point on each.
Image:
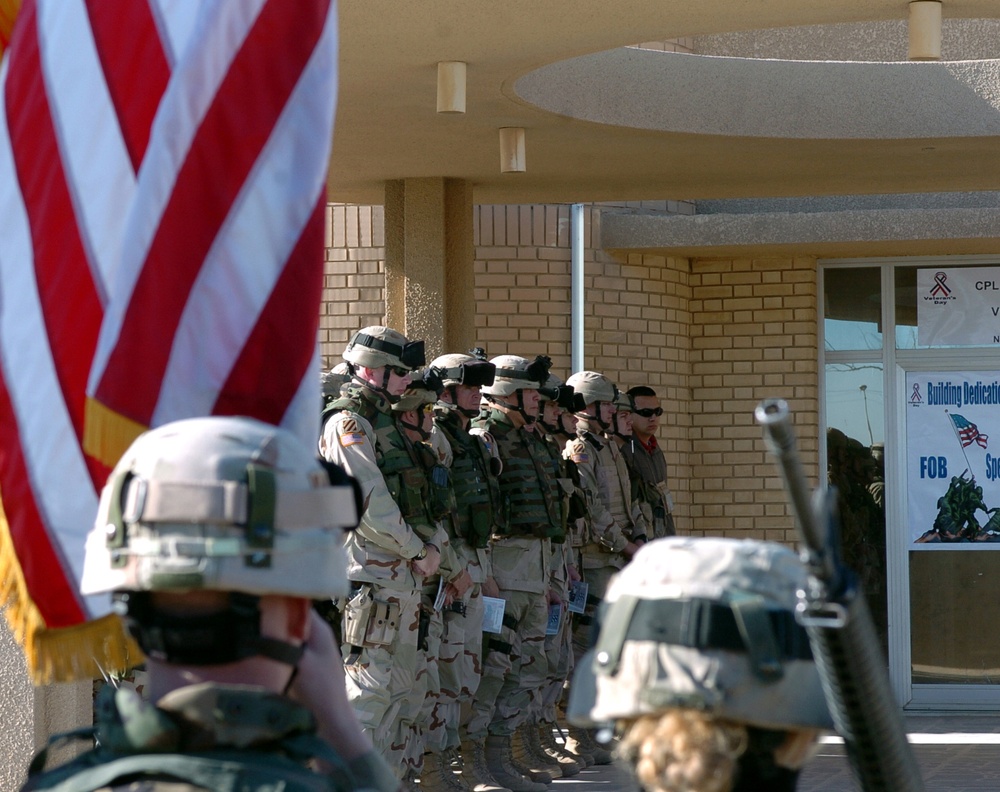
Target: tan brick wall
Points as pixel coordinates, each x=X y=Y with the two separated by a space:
x=713 y=337
x=354 y=276
x=753 y=336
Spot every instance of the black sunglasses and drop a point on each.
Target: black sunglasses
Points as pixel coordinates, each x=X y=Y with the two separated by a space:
x=649 y=412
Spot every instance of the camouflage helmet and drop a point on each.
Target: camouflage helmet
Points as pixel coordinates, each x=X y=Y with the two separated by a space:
x=624 y=403
x=593 y=387
x=707 y=624
x=514 y=373
x=332 y=380
x=549 y=391
x=224 y=504
x=462 y=369
x=377 y=346
x=425 y=388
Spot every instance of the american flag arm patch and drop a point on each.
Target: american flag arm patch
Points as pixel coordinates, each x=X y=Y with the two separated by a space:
x=352 y=438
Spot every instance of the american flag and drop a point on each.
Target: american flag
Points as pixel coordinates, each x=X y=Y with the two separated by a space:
x=968 y=432
x=162 y=188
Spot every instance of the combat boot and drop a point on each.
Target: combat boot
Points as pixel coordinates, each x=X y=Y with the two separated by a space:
x=547 y=742
x=475 y=771
x=525 y=750
x=437 y=776
x=501 y=767
x=580 y=740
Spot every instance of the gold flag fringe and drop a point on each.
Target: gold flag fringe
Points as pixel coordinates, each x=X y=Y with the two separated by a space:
x=85 y=651
x=106 y=433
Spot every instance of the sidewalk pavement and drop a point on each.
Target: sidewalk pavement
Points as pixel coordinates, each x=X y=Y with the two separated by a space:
x=956 y=753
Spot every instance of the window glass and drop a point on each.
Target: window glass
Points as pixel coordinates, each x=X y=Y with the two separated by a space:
x=852 y=311
x=855 y=449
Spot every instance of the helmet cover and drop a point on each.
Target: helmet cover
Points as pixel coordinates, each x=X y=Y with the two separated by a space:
x=220 y=503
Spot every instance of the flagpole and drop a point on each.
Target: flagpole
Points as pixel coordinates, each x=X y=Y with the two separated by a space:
x=954 y=428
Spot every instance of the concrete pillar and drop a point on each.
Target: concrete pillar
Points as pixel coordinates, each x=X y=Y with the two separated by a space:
x=429 y=253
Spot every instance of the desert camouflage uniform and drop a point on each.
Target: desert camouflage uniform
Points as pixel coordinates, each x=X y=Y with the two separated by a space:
x=615 y=519
x=477 y=496
x=514 y=667
x=433 y=457
x=382 y=617
x=648 y=472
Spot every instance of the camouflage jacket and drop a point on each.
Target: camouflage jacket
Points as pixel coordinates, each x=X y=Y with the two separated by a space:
x=361 y=436
x=615 y=517
x=648 y=473
x=207 y=737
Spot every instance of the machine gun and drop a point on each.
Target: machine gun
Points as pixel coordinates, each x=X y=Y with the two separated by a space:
x=836 y=617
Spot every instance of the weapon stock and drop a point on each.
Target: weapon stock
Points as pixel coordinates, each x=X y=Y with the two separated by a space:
x=843 y=639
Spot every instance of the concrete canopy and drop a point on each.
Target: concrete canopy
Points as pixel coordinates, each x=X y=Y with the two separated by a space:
x=387 y=127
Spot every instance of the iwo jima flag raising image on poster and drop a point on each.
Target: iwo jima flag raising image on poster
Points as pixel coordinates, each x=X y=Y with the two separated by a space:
x=952 y=470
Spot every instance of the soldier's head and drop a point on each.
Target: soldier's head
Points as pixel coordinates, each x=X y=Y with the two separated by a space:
x=515 y=386
x=622 y=424
x=415 y=407
x=558 y=404
x=647 y=411
x=597 y=398
x=382 y=359
x=742 y=687
x=464 y=376
x=213 y=536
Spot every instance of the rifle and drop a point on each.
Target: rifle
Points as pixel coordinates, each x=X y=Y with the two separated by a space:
x=836 y=617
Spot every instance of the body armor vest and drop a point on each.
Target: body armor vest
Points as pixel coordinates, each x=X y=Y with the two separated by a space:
x=477 y=493
x=530 y=504
x=405 y=472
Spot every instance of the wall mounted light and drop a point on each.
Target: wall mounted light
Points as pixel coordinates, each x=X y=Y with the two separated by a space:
x=451 y=87
x=925 y=30
x=512 y=150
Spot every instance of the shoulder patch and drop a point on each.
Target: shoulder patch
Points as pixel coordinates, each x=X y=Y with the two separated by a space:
x=350 y=433
x=577 y=451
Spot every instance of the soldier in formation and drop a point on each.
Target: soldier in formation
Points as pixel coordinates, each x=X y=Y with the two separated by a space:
x=647 y=464
x=530 y=516
x=518 y=489
x=396 y=548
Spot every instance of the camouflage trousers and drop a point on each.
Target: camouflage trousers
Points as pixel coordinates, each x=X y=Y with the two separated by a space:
x=514 y=667
x=559 y=655
x=429 y=682
x=584 y=625
x=383 y=674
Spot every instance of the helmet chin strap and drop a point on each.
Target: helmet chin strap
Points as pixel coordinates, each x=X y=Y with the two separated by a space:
x=603 y=424
x=418 y=428
x=226 y=636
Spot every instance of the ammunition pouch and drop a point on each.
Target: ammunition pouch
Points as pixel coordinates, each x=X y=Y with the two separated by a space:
x=480 y=525
x=458 y=607
x=369 y=622
x=439 y=501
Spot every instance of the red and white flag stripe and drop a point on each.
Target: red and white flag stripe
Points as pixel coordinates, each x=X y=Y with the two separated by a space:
x=162 y=177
